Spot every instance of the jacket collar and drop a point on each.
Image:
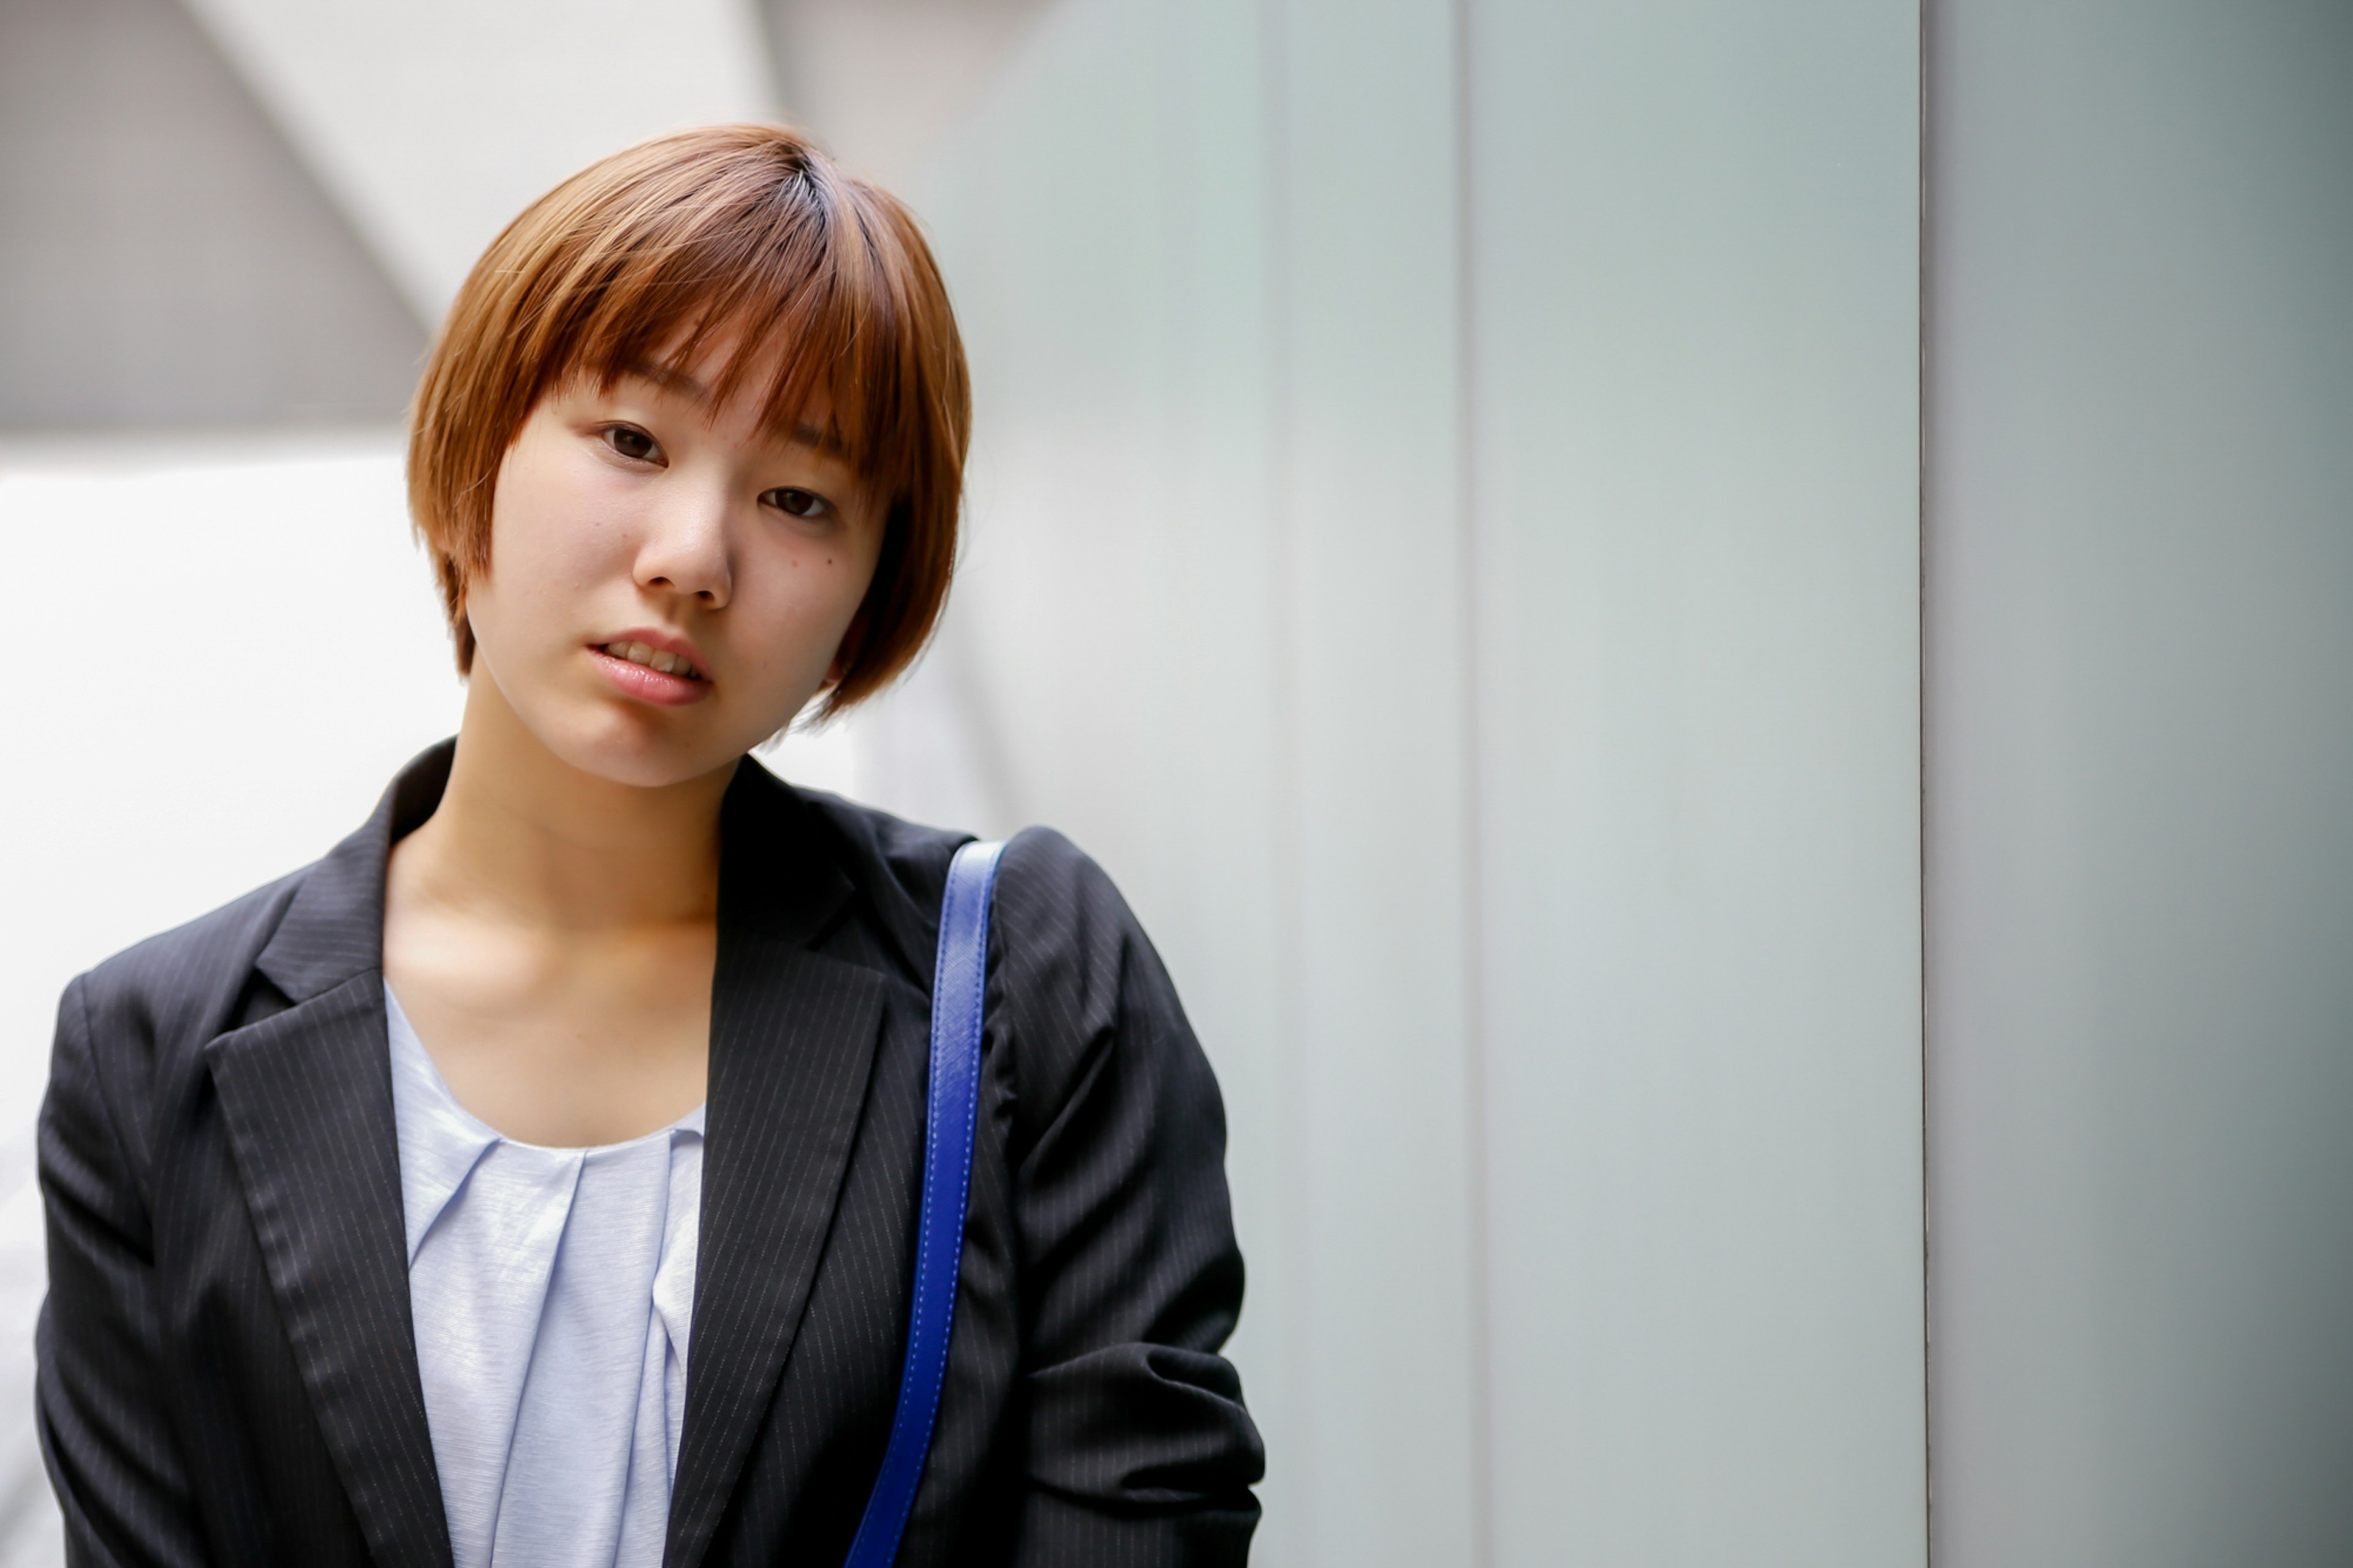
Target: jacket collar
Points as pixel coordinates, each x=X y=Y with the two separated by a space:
x=333 y=928
x=307 y=1100
x=787 y=877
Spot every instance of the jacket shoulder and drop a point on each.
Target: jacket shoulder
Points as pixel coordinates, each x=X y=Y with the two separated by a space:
x=1077 y=995
x=186 y=982
x=1049 y=890
x=911 y=858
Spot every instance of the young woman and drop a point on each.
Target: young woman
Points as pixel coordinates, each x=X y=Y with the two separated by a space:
x=534 y=1180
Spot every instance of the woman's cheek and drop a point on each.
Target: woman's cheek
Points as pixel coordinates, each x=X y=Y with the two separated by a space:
x=793 y=622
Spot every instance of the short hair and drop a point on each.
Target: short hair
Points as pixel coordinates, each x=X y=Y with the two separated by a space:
x=741 y=230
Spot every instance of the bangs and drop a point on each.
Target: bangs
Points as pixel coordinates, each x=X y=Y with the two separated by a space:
x=819 y=288
x=794 y=286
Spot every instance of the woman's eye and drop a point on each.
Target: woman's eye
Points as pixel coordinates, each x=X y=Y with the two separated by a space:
x=798 y=502
x=630 y=442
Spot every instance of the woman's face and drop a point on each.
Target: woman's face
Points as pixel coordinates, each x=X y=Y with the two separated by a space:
x=669 y=582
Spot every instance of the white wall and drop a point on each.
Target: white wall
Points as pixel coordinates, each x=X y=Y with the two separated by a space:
x=2140 y=518
x=436 y=122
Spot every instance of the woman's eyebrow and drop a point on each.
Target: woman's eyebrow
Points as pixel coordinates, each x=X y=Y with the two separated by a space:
x=824 y=441
x=668 y=380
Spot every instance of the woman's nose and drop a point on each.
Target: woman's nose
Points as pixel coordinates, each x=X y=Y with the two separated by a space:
x=684 y=550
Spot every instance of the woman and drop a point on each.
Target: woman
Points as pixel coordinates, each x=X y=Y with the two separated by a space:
x=533 y=1179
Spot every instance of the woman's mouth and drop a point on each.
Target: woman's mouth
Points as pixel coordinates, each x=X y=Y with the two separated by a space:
x=650 y=674
x=638 y=653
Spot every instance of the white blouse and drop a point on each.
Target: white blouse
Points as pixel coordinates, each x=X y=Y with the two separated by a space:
x=553 y=1290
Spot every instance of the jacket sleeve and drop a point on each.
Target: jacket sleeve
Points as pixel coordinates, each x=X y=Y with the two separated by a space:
x=112 y=1456
x=1139 y=1450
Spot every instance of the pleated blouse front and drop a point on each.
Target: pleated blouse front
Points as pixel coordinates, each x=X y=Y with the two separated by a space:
x=553 y=1291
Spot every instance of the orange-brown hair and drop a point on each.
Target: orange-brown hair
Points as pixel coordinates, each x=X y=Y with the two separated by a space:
x=740 y=233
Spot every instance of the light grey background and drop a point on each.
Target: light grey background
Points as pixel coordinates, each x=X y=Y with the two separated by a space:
x=165 y=260
x=1445 y=534
x=1695 y=426
x=2140 y=761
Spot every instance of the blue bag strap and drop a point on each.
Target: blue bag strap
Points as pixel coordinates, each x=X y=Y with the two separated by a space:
x=959 y=982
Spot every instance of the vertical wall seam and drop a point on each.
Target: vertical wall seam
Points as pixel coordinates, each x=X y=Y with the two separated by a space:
x=1470 y=737
x=1924 y=237
x=1297 y=1235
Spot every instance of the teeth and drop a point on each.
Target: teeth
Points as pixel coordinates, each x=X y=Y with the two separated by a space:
x=652 y=658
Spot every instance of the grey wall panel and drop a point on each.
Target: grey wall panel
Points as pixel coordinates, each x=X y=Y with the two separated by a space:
x=1117 y=642
x=165 y=259
x=1368 y=253
x=1205 y=257
x=1216 y=622
x=2141 y=749
x=1694 y=242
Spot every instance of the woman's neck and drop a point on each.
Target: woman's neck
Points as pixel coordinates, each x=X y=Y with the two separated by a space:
x=522 y=836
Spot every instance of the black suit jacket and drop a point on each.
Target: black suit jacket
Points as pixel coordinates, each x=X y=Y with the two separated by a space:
x=228 y=1363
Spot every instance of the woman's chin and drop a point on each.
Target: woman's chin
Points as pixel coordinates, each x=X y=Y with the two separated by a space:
x=590 y=728
x=625 y=749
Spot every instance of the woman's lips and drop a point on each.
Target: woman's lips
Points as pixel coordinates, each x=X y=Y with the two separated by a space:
x=646 y=683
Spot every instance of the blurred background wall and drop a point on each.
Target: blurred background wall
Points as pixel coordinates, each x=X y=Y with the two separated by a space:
x=1486 y=446
x=1445 y=533
x=2140 y=761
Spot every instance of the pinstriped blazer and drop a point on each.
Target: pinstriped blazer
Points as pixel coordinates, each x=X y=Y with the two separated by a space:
x=228 y=1363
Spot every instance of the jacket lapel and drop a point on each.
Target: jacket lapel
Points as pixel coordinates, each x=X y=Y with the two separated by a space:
x=306 y=1095
x=792 y=1036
